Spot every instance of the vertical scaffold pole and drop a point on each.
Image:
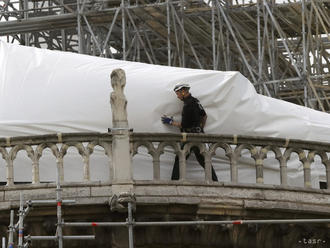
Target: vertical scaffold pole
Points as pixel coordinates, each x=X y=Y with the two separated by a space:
x=26 y=16
x=130 y=226
x=213 y=36
x=11 y=230
x=123 y=23
x=3 y=242
x=168 y=33
x=63 y=40
x=80 y=33
x=182 y=35
x=20 y=222
x=304 y=73
x=259 y=44
x=59 y=210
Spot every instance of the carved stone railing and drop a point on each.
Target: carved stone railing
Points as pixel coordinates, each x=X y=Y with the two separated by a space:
x=156 y=143
x=34 y=146
x=233 y=145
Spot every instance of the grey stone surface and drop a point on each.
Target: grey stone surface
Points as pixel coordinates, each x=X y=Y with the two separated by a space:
x=169 y=190
x=101 y=191
x=76 y=192
x=287 y=206
x=245 y=198
x=31 y=194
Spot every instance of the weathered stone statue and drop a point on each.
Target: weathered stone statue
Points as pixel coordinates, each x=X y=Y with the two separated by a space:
x=121 y=171
x=118 y=100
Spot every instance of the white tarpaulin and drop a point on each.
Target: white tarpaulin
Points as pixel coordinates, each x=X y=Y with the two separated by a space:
x=45 y=91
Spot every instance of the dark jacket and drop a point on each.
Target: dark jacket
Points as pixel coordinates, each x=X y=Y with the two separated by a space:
x=192 y=115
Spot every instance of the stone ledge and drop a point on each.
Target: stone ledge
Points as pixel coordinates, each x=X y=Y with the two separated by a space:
x=231 y=185
x=101 y=191
x=287 y=206
x=211 y=197
x=30 y=194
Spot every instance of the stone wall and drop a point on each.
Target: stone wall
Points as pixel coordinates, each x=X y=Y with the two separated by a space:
x=171 y=202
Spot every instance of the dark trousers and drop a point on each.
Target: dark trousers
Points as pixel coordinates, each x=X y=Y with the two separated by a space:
x=200 y=159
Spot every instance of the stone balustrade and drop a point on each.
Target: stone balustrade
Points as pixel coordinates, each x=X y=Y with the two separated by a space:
x=34 y=146
x=233 y=145
x=156 y=143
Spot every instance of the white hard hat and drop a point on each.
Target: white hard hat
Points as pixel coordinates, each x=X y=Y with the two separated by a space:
x=180 y=86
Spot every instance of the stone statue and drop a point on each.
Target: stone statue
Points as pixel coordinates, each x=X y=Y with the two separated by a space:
x=118 y=100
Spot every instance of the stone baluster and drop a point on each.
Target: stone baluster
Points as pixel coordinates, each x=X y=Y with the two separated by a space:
x=35 y=172
x=259 y=171
x=259 y=158
x=60 y=168
x=108 y=151
x=283 y=171
x=182 y=163
x=233 y=168
x=327 y=169
x=307 y=174
x=307 y=169
x=208 y=167
x=86 y=168
x=121 y=157
x=10 y=172
x=156 y=166
x=35 y=156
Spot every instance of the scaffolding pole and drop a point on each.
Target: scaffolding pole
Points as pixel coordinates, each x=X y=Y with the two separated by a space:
x=48 y=202
x=200 y=222
x=59 y=237
x=55 y=238
x=123 y=23
x=59 y=233
x=20 y=222
x=168 y=33
x=236 y=42
x=213 y=36
x=303 y=33
x=11 y=230
x=130 y=226
x=80 y=29
x=259 y=43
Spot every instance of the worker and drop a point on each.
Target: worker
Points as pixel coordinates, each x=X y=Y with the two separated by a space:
x=193 y=121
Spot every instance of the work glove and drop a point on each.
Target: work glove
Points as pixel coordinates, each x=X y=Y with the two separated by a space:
x=167 y=120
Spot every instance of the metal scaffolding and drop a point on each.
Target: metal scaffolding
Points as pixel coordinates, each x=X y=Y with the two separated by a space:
x=124 y=202
x=25 y=241
x=281 y=46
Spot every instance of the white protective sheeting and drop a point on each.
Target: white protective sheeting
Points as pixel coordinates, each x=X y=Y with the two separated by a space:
x=45 y=91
